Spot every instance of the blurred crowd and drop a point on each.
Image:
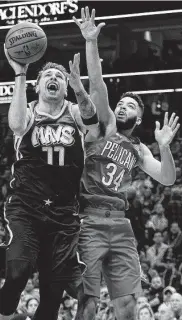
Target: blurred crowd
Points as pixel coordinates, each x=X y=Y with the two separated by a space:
x=155 y=214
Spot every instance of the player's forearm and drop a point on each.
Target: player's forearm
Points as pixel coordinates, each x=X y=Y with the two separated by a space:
x=86 y=106
x=93 y=63
x=168 y=171
x=18 y=108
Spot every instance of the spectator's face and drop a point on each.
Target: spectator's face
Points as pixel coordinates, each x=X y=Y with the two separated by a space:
x=145 y=267
x=144 y=314
x=36 y=280
x=68 y=302
x=176 y=302
x=174 y=228
x=159 y=209
x=158 y=238
x=156 y=283
x=146 y=212
x=141 y=300
x=167 y=191
x=29 y=286
x=146 y=233
x=178 y=172
x=141 y=175
x=165 y=234
x=147 y=191
x=167 y=296
x=104 y=294
x=164 y=312
x=32 y=306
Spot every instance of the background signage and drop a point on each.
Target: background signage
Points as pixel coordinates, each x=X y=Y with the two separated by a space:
x=36 y=12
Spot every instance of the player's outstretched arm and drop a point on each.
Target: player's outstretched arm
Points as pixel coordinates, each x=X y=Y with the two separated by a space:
x=98 y=89
x=86 y=115
x=164 y=171
x=17 y=115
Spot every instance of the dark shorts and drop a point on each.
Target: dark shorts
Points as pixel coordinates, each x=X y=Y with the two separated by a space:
x=46 y=237
x=107 y=245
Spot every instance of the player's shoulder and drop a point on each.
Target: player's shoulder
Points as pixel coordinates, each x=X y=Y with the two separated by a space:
x=145 y=150
x=135 y=140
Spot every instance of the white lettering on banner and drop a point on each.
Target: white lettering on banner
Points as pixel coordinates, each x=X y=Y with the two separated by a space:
x=49 y=11
x=7 y=90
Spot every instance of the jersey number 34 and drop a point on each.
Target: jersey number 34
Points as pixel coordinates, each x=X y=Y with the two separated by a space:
x=112 y=176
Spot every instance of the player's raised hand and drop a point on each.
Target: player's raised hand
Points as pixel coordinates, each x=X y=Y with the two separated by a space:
x=17 y=67
x=165 y=135
x=74 y=75
x=88 y=28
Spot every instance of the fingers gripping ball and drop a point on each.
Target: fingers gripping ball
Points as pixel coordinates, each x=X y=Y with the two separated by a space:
x=26 y=42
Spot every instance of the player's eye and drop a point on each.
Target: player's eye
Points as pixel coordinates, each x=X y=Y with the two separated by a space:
x=47 y=75
x=132 y=106
x=59 y=76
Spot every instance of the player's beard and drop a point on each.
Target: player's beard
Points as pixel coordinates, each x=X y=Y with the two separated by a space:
x=127 y=125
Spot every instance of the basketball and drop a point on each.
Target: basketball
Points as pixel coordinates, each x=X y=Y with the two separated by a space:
x=26 y=42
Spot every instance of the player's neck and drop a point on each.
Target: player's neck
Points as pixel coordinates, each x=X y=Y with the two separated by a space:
x=50 y=107
x=126 y=133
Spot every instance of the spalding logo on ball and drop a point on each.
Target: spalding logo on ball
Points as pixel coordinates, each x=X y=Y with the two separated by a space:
x=26 y=42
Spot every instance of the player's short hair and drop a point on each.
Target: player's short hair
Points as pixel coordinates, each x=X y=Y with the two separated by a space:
x=136 y=97
x=52 y=65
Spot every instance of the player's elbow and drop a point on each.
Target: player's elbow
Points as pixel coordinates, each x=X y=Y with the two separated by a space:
x=168 y=182
x=17 y=129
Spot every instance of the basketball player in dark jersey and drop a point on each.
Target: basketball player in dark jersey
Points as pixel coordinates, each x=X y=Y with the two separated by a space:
x=107 y=241
x=42 y=212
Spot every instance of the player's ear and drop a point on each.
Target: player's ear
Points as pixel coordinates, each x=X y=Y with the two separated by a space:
x=66 y=93
x=138 y=122
x=37 y=88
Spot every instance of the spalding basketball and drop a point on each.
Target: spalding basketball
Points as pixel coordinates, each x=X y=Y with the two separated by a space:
x=26 y=42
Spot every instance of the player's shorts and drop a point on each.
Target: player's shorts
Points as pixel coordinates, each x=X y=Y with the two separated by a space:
x=107 y=245
x=44 y=235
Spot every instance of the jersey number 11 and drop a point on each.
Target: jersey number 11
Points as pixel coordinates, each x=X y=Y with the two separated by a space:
x=50 y=154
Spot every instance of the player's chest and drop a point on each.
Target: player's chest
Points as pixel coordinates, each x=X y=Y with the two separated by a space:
x=47 y=134
x=115 y=149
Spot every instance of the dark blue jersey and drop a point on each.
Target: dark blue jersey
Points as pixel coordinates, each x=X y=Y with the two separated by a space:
x=49 y=157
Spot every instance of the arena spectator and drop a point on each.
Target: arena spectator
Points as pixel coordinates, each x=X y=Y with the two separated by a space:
x=156 y=252
x=165 y=312
x=31 y=306
x=144 y=312
x=176 y=305
x=159 y=220
x=167 y=293
x=175 y=242
x=140 y=301
x=165 y=197
x=148 y=272
x=156 y=293
x=29 y=287
x=171 y=276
